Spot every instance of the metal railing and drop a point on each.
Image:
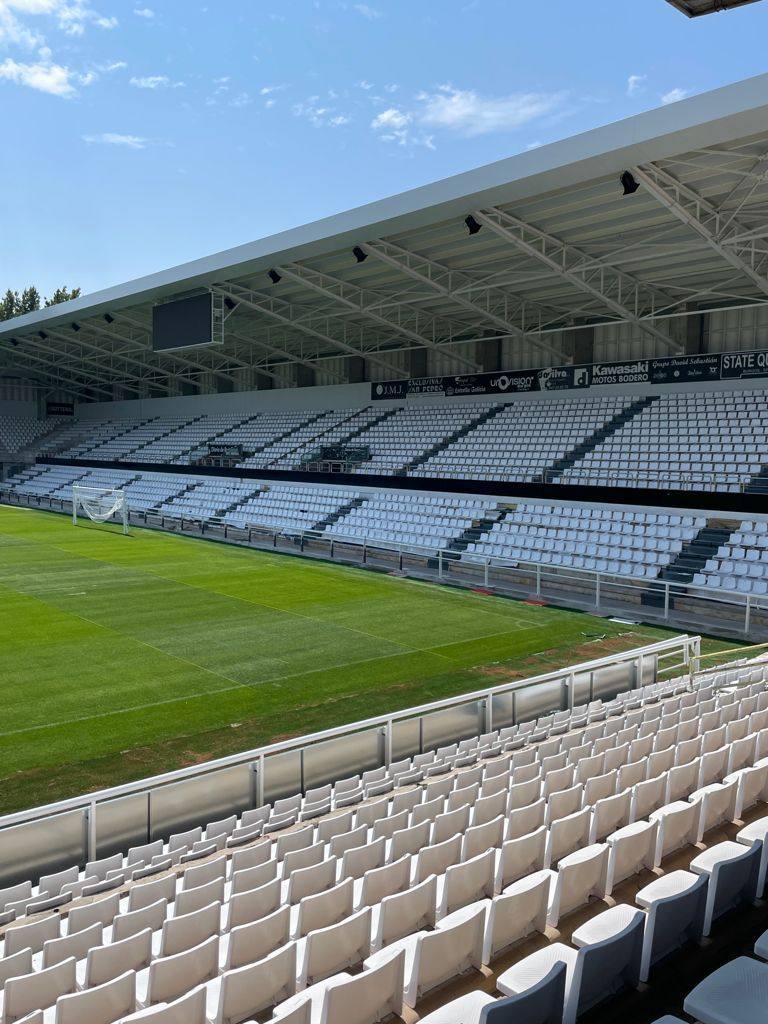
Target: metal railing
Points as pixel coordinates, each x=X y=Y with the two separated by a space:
x=36 y=841
x=717 y=610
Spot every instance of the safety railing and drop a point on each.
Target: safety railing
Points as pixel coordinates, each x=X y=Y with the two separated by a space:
x=44 y=839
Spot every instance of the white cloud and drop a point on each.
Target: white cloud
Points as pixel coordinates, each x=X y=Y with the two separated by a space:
x=47 y=77
x=674 y=95
x=466 y=112
x=635 y=84
x=463 y=112
x=116 y=139
x=371 y=13
x=154 y=82
x=318 y=115
x=393 y=125
x=144 y=12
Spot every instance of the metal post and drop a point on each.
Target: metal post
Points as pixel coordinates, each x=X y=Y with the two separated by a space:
x=388 y=737
x=90 y=831
x=538 y=579
x=597 y=591
x=259 y=768
x=666 y=600
x=440 y=564
x=485 y=571
x=489 y=713
x=365 y=551
x=747 y=615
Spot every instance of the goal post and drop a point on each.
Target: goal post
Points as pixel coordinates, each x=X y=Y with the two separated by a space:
x=100 y=504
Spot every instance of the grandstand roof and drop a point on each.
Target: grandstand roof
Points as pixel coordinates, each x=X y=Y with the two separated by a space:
x=696 y=8
x=560 y=246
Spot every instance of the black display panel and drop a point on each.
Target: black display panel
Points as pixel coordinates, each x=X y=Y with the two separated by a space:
x=184 y=323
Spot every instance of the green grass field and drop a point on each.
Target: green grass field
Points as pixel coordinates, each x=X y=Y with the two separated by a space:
x=128 y=656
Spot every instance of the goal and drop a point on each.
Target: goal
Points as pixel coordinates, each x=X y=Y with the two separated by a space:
x=100 y=504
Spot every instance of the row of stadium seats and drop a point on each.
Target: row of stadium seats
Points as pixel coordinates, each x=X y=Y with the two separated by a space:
x=711 y=440
x=423 y=884
x=20 y=432
x=641 y=545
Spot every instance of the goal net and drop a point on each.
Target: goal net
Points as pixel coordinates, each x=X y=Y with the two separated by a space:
x=99 y=504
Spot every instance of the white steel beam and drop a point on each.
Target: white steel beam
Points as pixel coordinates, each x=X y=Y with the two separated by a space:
x=621 y=293
x=283 y=312
x=371 y=305
x=721 y=231
x=457 y=287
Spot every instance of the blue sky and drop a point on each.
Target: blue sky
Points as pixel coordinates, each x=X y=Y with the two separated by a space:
x=140 y=135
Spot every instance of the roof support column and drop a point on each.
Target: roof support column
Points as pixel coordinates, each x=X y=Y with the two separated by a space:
x=417 y=362
x=488 y=354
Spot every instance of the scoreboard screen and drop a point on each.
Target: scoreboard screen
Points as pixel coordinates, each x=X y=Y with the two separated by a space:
x=183 y=323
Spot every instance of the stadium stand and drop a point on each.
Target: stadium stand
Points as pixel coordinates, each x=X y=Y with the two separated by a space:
x=409 y=886
x=708 y=441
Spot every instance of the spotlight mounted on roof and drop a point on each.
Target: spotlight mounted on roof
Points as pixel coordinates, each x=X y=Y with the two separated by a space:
x=230 y=303
x=360 y=254
x=473 y=226
x=629 y=184
x=274 y=277
x=42 y=335
x=109 y=318
x=75 y=327
x=13 y=342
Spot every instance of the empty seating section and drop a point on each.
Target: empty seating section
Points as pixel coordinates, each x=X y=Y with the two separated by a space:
x=209 y=499
x=290 y=508
x=417 y=520
x=714 y=440
x=476 y=529
x=411 y=432
x=523 y=440
x=742 y=563
x=19 y=432
x=709 y=441
x=602 y=540
x=299 y=449
x=346 y=904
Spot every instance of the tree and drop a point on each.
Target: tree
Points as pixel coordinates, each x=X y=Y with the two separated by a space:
x=14 y=304
x=63 y=294
x=30 y=300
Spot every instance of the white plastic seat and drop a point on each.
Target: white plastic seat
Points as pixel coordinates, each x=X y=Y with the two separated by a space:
x=733 y=871
x=581 y=876
x=678 y=826
x=718 y=804
x=329 y=950
x=435 y=860
x=170 y=977
x=733 y=994
x=371 y=996
x=243 y=992
x=600 y=968
x=432 y=958
x=479 y=838
x=250 y=906
x=566 y=835
x=675 y=905
x=757 y=832
x=520 y=857
x=100 y=1005
x=466 y=883
x=37 y=991
x=405 y=912
x=125 y=925
x=631 y=849
x=380 y=882
x=104 y=963
x=517 y=912
x=324 y=909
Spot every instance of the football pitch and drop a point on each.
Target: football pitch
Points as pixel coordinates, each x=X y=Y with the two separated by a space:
x=129 y=656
